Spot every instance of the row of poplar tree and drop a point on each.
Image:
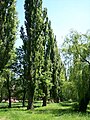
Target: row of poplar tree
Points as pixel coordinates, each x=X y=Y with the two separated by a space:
x=33 y=70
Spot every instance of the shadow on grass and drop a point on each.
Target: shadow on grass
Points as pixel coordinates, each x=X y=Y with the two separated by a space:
x=12 y=106
x=54 y=109
x=68 y=103
x=64 y=108
x=55 y=112
x=17 y=106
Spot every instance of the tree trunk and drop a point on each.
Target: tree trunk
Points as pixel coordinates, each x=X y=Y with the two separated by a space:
x=1 y=96
x=9 y=98
x=30 y=92
x=55 y=96
x=24 y=93
x=30 y=99
x=44 y=101
x=57 y=100
x=83 y=104
x=9 y=92
x=45 y=95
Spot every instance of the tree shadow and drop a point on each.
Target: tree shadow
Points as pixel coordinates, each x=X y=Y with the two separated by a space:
x=65 y=108
x=17 y=106
x=55 y=112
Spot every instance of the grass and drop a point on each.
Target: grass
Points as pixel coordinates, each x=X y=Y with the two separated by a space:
x=53 y=111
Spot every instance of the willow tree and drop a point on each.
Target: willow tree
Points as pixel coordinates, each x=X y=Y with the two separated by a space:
x=77 y=49
x=8 y=25
x=34 y=26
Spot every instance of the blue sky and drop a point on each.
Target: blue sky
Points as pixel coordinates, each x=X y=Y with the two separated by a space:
x=64 y=15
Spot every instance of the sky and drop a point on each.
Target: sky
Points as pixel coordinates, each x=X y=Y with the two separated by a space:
x=64 y=15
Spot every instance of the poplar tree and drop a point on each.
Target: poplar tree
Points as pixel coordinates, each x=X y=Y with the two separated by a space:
x=46 y=73
x=8 y=25
x=56 y=73
x=55 y=65
x=34 y=26
x=52 y=66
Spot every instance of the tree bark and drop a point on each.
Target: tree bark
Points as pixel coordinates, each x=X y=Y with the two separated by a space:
x=9 y=92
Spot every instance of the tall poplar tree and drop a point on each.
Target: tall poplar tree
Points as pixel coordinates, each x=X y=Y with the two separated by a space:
x=8 y=25
x=52 y=66
x=46 y=73
x=34 y=26
x=55 y=65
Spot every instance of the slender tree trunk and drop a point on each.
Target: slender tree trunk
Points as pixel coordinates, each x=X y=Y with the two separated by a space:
x=44 y=101
x=1 y=96
x=24 y=89
x=45 y=95
x=24 y=93
x=9 y=98
x=9 y=92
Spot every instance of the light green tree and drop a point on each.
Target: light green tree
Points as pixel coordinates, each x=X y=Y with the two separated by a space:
x=76 y=48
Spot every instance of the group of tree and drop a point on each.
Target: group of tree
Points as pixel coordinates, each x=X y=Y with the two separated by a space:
x=31 y=71
x=35 y=71
x=41 y=62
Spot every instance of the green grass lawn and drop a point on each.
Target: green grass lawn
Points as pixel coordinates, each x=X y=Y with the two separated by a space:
x=53 y=111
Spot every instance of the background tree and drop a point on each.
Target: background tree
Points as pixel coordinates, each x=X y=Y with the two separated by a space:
x=46 y=66
x=55 y=65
